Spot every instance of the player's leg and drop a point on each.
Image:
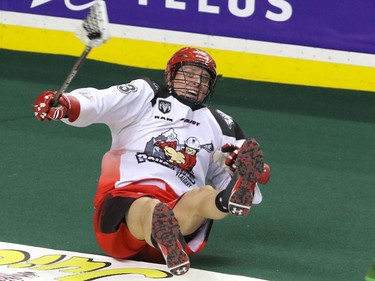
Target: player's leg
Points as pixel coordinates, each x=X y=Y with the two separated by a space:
x=195 y=207
x=238 y=196
x=153 y=221
x=139 y=218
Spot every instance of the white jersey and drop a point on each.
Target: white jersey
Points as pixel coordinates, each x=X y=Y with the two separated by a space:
x=159 y=136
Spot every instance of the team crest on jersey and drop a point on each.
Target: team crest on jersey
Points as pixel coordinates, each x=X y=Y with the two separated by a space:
x=165 y=149
x=165 y=106
x=127 y=88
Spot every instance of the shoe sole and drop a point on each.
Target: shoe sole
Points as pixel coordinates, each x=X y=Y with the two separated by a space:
x=166 y=233
x=249 y=163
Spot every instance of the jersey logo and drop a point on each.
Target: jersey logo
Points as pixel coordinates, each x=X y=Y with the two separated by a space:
x=127 y=88
x=165 y=106
x=165 y=149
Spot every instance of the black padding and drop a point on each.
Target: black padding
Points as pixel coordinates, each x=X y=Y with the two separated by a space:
x=113 y=213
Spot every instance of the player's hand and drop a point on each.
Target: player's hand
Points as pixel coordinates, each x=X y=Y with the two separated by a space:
x=226 y=157
x=231 y=152
x=44 y=111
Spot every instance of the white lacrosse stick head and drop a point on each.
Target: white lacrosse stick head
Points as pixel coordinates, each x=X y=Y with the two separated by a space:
x=94 y=29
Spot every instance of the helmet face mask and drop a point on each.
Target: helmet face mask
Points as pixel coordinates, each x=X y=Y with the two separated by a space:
x=191 y=82
x=191 y=74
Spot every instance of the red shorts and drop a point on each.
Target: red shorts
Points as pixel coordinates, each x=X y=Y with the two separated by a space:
x=119 y=242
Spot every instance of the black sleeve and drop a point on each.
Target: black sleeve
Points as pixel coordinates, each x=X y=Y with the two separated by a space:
x=159 y=90
x=228 y=125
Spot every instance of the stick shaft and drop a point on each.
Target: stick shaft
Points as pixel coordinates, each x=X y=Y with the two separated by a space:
x=71 y=75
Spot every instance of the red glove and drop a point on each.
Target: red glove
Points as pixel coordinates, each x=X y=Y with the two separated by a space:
x=232 y=152
x=264 y=177
x=44 y=111
x=230 y=161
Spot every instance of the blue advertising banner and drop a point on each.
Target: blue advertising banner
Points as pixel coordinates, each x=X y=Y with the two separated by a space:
x=346 y=25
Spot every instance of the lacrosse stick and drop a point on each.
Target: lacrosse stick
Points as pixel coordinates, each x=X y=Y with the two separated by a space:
x=93 y=32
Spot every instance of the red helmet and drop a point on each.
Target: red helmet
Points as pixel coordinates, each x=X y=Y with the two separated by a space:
x=191 y=56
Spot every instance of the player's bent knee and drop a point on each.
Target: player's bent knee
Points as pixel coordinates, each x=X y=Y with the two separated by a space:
x=138 y=218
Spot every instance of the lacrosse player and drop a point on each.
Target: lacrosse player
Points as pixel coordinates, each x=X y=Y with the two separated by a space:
x=153 y=202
